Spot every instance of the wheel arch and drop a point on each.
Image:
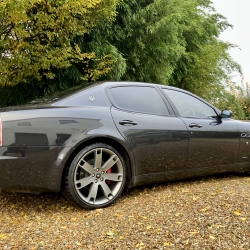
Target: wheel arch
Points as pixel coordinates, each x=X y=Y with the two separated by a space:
x=110 y=141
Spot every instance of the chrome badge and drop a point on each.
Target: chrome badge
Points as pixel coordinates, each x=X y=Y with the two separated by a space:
x=91 y=98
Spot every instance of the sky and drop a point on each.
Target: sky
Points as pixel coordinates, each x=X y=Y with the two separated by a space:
x=237 y=14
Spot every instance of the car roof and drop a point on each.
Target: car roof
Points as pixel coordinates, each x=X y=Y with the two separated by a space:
x=58 y=98
x=98 y=86
x=101 y=86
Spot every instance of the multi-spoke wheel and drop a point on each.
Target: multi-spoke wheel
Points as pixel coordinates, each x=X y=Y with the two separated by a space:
x=96 y=176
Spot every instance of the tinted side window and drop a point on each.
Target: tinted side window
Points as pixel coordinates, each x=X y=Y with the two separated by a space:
x=188 y=105
x=89 y=97
x=140 y=99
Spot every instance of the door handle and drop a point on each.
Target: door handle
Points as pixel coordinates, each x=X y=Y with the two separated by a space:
x=127 y=122
x=195 y=125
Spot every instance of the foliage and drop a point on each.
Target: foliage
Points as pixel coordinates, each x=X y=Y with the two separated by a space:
x=226 y=100
x=36 y=38
x=242 y=94
x=145 y=33
x=172 y=42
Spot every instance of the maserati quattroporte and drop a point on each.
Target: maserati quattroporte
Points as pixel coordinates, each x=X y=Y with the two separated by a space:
x=91 y=143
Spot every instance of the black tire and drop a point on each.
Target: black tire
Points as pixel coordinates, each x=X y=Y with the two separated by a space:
x=96 y=177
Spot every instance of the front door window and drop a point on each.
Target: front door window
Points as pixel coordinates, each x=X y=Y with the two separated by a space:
x=189 y=106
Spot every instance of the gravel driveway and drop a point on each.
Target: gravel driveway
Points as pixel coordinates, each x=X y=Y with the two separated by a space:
x=207 y=213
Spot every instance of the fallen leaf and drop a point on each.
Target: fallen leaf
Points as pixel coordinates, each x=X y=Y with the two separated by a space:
x=99 y=210
x=3 y=236
x=211 y=237
x=166 y=244
x=237 y=212
x=140 y=244
x=218 y=226
x=194 y=232
x=110 y=233
x=148 y=227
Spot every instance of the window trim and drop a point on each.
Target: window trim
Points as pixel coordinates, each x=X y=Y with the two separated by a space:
x=168 y=107
x=190 y=94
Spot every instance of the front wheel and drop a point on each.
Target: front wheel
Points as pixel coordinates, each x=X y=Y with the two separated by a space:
x=96 y=177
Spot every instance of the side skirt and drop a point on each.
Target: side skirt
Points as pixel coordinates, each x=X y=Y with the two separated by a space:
x=189 y=173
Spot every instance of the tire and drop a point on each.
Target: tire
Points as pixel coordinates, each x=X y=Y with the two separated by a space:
x=96 y=177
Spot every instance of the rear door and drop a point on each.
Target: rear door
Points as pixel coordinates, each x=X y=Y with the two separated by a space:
x=158 y=138
x=212 y=141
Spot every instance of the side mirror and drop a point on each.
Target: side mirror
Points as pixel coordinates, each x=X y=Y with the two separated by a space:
x=226 y=113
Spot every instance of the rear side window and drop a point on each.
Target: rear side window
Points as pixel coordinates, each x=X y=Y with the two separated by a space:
x=139 y=99
x=95 y=96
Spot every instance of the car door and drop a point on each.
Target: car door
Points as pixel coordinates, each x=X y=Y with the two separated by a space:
x=244 y=152
x=213 y=141
x=157 y=137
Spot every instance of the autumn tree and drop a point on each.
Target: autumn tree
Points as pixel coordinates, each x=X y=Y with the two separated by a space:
x=37 y=37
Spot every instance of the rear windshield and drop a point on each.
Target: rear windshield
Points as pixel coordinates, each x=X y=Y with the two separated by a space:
x=93 y=95
x=90 y=94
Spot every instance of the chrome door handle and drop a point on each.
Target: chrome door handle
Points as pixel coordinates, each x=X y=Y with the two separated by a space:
x=195 y=125
x=127 y=122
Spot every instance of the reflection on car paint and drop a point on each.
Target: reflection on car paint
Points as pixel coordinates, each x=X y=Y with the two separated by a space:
x=38 y=140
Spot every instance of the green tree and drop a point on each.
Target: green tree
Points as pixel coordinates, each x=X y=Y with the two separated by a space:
x=169 y=42
x=172 y=42
x=205 y=65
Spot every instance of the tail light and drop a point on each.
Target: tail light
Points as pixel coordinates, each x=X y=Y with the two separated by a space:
x=1 y=132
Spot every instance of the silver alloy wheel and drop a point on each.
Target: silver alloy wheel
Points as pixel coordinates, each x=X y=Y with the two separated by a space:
x=98 y=176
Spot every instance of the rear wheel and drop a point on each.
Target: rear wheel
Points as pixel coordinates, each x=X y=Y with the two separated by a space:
x=96 y=177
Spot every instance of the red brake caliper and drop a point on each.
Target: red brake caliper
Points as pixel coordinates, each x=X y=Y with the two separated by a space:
x=108 y=171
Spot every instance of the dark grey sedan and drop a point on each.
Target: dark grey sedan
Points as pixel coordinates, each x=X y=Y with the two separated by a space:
x=97 y=140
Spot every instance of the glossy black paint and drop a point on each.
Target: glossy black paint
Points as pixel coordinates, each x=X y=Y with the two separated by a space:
x=34 y=151
x=40 y=140
x=215 y=135
x=244 y=152
x=159 y=143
